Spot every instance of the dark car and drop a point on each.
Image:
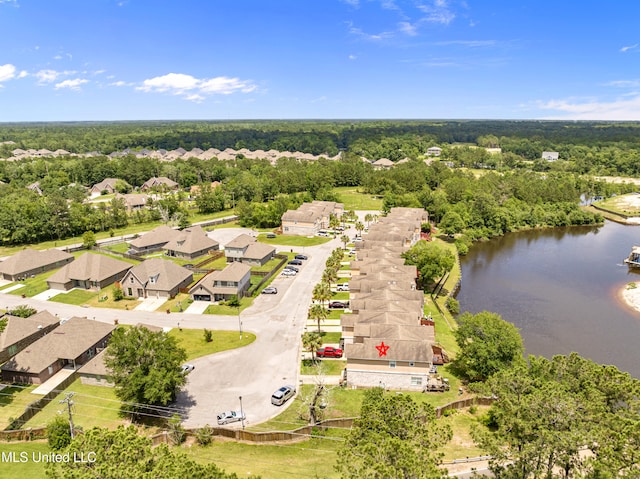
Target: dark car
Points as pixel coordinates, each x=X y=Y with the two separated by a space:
x=302 y=256
x=291 y=268
x=338 y=305
x=270 y=290
x=297 y=262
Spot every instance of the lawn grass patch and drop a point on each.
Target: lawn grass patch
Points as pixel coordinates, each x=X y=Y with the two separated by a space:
x=329 y=367
x=267 y=267
x=98 y=300
x=290 y=240
x=28 y=469
x=33 y=286
x=178 y=304
x=14 y=400
x=341 y=296
x=224 y=309
x=192 y=340
x=75 y=296
x=462 y=444
x=354 y=199
x=93 y=406
x=331 y=338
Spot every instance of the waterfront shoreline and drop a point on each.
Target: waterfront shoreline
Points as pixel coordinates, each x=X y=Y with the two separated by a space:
x=630 y=297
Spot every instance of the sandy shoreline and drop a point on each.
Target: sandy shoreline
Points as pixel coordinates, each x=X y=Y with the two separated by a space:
x=631 y=297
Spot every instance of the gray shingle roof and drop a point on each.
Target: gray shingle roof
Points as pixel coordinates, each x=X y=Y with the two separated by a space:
x=167 y=275
x=89 y=267
x=29 y=259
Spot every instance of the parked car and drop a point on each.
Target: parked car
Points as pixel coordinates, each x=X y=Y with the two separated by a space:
x=323 y=233
x=282 y=395
x=187 y=368
x=270 y=290
x=291 y=268
x=329 y=352
x=297 y=262
x=338 y=305
x=343 y=287
x=301 y=256
x=230 y=416
x=271 y=235
x=288 y=272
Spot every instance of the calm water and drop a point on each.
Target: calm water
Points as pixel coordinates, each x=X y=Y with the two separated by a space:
x=560 y=288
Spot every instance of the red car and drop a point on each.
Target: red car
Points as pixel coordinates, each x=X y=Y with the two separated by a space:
x=329 y=352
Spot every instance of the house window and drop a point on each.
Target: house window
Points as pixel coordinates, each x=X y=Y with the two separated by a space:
x=286 y=228
x=130 y=293
x=131 y=279
x=392 y=364
x=416 y=381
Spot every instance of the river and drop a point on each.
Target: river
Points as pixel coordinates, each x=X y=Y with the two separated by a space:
x=560 y=288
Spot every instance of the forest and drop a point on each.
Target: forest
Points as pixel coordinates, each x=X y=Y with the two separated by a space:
x=466 y=190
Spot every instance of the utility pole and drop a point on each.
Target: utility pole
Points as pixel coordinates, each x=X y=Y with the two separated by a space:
x=69 y=402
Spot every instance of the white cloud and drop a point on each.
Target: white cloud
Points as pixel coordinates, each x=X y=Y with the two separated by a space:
x=23 y=73
x=71 y=84
x=436 y=11
x=58 y=57
x=352 y=57
x=121 y=83
x=629 y=47
x=408 y=28
x=374 y=37
x=196 y=89
x=624 y=83
x=49 y=76
x=592 y=109
x=7 y=72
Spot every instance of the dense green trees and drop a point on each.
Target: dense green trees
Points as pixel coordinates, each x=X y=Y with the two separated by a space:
x=432 y=260
x=567 y=417
x=394 y=436
x=487 y=344
x=145 y=367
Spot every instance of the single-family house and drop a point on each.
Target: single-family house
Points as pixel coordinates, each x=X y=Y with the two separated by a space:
x=550 y=155
x=434 y=151
x=133 y=201
x=71 y=344
x=18 y=333
x=89 y=271
x=246 y=249
x=29 y=262
x=156 y=278
x=153 y=240
x=162 y=183
x=383 y=164
x=95 y=372
x=191 y=243
x=310 y=218
x=222 y=285
x=106 y=186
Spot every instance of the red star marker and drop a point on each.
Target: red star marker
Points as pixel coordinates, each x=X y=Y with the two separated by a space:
x=382 y=349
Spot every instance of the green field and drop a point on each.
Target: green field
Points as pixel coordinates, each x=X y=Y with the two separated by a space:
x=193 y=341
x=299 y=241
x=353 y=199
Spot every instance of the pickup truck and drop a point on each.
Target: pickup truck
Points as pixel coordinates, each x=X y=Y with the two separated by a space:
x=329 y=352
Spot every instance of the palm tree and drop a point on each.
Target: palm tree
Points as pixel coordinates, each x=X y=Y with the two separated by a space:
x=368 y=218
x=322 y=292
x=319 y=313
x=359 y=227
x=312 y=341
x=345 y=240
x=334 y=222
x=330 y=275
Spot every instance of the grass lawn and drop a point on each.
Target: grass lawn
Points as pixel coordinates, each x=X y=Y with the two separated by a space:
x=229 y=310
x=287 y=240
x=341 y=296
x=118 y=247
x=13 y=402
x=329 y=338
x=311 y=458
x=268 y=266
x=336 y=313
x=93 y=406
x=193 y=341
x=75 y=296
x=628 y=204
x=33 y=286
x=353 y=199
x=29 y=469
x=98 y=302
x=462 y=444
x=177 y=304
x=330 y=367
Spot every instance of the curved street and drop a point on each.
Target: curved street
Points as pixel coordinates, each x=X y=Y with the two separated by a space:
x=253 y=372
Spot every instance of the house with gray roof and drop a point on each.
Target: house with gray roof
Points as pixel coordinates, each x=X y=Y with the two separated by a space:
x=89 y=271
x=234 y=280
x=246 y=249
x=71 y=345
x=161 y=182
x=156 y=278
x=191 y=243
x=106 y=186
x=310 y=218
x=153 y=240
x=18 y=333
x=133 y=201
x=95 y=372
x=30 y=262
x=383 y=164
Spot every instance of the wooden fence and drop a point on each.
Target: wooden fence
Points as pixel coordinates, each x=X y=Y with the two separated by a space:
x=266 y=275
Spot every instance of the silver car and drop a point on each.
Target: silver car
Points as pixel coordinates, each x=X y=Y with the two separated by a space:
x=282 y=395
x=230 y=416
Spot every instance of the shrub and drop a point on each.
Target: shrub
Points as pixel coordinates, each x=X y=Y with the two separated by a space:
x=118 y=294
x=204 y=435
x=233 y=301
x=58 y=433
x=208 y=336
x=453 y=305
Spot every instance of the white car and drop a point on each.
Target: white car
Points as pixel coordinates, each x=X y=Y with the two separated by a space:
x=230 y=416
x=342 y=287
x=187 y=368
x=288 y=272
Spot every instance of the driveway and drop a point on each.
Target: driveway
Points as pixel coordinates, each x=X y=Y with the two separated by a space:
x=48 y=294
x=150 y=304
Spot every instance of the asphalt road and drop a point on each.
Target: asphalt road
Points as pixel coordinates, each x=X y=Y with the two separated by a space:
x=253 y=372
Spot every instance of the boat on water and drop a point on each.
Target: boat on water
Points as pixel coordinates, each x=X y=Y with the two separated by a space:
x=633 y=260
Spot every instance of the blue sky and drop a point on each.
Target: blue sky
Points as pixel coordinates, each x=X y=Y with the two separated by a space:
x=327 y=59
